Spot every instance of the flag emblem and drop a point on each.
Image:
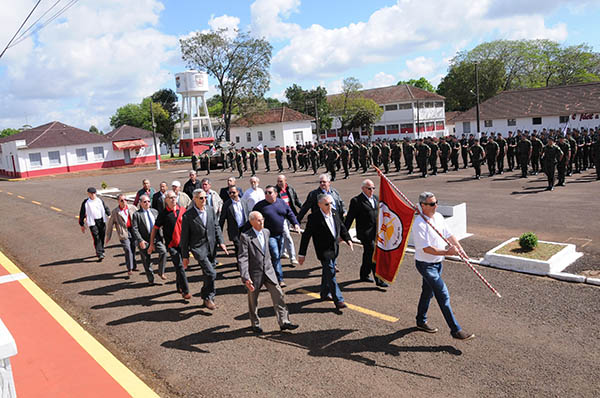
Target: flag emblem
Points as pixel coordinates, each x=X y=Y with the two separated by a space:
x=389 y=234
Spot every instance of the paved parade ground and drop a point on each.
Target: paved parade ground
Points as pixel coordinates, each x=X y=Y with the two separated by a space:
x=540 y=339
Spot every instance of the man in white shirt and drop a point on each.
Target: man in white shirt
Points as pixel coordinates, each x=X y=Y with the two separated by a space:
x=430 y=250
x=212 y=197
x=253 y=195
x=94 y=213
x=183 y=200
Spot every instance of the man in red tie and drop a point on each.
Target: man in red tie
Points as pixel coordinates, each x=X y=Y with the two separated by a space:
x=120 y=218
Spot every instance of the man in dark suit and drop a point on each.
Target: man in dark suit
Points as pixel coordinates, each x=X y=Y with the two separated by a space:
x=364 y=209
x=257 y=270
x=158 y=200
x=200 y=234
x=235 y=212
x=192 y=184
x=324 y=188
x=224 y=192
x=325 y=227
x=143 y=221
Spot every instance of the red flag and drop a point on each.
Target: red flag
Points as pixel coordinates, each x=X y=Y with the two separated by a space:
x=394 y=223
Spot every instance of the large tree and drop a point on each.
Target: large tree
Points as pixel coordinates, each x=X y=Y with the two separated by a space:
x=240 y=64
x=165 y=127
x=311 y=102
x=8 y=131
x=420 y=83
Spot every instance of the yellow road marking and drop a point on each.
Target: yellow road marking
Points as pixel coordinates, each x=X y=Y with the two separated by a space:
x=10 y=193
x=55 y=208
x=358 y=308
x=20 y=197
x=125 y=377
x=35 y=203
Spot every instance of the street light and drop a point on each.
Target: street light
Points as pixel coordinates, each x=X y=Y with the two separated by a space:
x=156 y=148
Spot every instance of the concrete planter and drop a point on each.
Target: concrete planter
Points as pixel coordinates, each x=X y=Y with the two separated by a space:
x=554 y=265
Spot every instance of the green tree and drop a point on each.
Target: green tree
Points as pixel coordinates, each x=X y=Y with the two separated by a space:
x=311 y=102
x=240 y=65
x=8 y=132
x=93 y=129
x=368 y=112
x=421 y=83
x=165 y=127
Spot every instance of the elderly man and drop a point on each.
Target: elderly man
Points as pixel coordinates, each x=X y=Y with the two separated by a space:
x=364 y=208
x=192 y=184
x=143 y=222
x=146 y=190
x=289 y=196
x=170 y=220
x=212 y=198
x=257 y=270
x=200 y=234
x=326 y=228
x=254 y=194
x=224 y=192
x=276 y=212
x=94 y=213
x=120 y=218
x=158 y=200
x=235 y=212
x=183 y=199
x=430 y=250
x=324 y=189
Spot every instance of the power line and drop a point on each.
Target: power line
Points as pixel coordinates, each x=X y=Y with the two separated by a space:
x=21 y=27
x=38 y=20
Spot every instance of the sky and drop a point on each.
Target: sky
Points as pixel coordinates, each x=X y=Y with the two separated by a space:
x=102 y=54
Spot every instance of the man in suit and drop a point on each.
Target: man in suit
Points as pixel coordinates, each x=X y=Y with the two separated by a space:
x=158 y=200
x=192 y=184
x=224 y=192
x=325 y=228
x=94 y=213
x=256 y=270
x=120 y=218
x=311 y=202
x=143 y=222
x=364 y=209
x=235 y=212
x=212 y=198
x=200 y=234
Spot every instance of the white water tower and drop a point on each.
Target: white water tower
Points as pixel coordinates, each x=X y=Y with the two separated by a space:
x=192 y=85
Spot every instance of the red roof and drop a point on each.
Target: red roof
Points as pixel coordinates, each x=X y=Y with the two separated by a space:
x=450 y=116
x=56 y=134
x=397 y=93
x=532 y=102
x=277 y=115
x=126 y=132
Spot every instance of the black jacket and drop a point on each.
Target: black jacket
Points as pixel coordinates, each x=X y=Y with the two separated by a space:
x=311 y=203
x=365 y=215
x=192 y=232
x=228 y=214
x=326 y=245
x=294 y=201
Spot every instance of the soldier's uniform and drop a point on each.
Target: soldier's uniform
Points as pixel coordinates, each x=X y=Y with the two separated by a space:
x=253 y=157
x=238 y=164
x=363 y=154
x=464 y=151
x=491 y=153
x=194 y=162
x=288 y=157
x=355 y=151
x=266 y=156
x=396 y=155
x=511 y=151
x=454 y=154
x=330 y=160
x=564 y=146
x=536 y=150
x=573 y=148
x=375 y=152
x=279 y=159
x=501 y=152
x=345 y=155
x=245 y=159
x=477 y=156
x=314 y=157
x=433 y=156
x=385 y=157
x=551 y=156
x=409 y=153
x=524 y=152
x=444 y=155
x=294 y=156
x=423 y=152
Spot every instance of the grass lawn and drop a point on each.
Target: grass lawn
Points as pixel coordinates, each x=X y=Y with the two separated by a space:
x=168 y=157
x=542 y=252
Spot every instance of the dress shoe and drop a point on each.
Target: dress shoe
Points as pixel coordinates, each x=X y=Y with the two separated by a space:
x=257 y=329
x=209 y=304
x=367 y=279
x=340 y=304
x=327 y=298
x=186 y=296
x=289 y=326
x=282 y=284
x=381 y=283
x=426 y=328
x=462 y=335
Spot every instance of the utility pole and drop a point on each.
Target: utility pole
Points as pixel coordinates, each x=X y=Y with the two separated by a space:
x=156 y=147
x=314 y=101
x=477 y=94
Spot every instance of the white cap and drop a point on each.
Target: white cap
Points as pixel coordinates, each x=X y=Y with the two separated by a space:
x=175 y=184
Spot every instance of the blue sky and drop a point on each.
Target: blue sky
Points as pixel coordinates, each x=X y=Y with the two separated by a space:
x=103 y=54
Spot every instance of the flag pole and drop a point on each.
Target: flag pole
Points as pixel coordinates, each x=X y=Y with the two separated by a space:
x=462 y=256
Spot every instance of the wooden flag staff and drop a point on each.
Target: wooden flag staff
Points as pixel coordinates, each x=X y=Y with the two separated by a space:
x=461 y=254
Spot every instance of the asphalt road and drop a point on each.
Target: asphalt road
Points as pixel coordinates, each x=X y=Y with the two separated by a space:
x=540 y=339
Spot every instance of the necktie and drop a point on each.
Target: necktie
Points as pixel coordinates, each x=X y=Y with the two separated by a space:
x=261 y=240
x=150 y=223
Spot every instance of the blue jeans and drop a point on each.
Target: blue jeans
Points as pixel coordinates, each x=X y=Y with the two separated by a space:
x=328 y=283
x=275 y=247
x=433 y=284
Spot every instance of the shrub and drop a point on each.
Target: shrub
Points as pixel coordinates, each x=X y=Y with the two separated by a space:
x=104 y=185
x=528 y=241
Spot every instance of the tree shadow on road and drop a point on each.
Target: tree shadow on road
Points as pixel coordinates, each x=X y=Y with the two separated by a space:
x=164 y=315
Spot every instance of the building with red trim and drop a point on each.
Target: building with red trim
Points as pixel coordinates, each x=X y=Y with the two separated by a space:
x=56 y=148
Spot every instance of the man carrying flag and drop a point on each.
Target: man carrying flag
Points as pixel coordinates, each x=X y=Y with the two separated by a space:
x=430 y=249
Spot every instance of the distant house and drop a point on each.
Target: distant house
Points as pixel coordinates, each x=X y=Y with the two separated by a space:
x=280 y=126
x=407 y=111
x=450 y=122
x=575 y=106
x=56 y=148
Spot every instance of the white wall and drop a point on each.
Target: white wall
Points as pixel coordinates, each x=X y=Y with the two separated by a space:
x=283 y=134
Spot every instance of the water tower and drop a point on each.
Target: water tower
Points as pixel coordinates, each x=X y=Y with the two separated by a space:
x=192 y=85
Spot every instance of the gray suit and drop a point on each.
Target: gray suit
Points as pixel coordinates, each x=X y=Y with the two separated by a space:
x=141 y=231
x=255 y=265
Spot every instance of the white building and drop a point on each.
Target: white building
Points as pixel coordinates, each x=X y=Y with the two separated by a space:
x=407 y=111
x=56 y=148
x=575 y=106
x=279 y=126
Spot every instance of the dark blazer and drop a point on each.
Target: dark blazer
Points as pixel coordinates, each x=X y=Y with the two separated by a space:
x=365 y=215
x=189 y=187
x=294 y=201
x=158 y=202
x=224 y=193
x=255 y=264
x=82 y=210
x=326 y=245
x=311 y=203
x=192 y=230
x=140 y=229
x=228 y=214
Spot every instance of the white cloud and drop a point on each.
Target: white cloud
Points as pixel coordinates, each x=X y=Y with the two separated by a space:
x=267 y=15
x=225 y=22
x=381 y=79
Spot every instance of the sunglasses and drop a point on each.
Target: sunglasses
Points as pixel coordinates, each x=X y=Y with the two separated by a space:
x=145 y=201
x=430 y=204
x=232 y=193
x=370 y=188
x=202 y=197
x=328 y=203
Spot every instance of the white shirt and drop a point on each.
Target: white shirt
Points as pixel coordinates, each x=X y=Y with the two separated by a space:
x=202 y=214
x=94 y=210
x=149 y=219
x=261 y=239
x=330 y=222
x=253 y=196
x=238 y=210
x=424 y=236
x=371 y=200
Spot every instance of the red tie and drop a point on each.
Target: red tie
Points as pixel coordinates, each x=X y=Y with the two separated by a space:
x=128 y=218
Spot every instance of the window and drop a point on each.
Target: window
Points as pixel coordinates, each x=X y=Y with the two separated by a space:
x=54 y=157
x=439 y=125
x=298 y=136
x=420 y=127
x=439 y=104
x=272 y=135
x=536 y=120
x=98 y=153
x=466 y=127
x=405 y=106
x=392 y=129
x=195 y=130
x=430 y=126
x=81 y=154
x=487 y=123
x=35 y=159
x=378 y=130
x=406 y=128
x=259 y=135
x=563 y=119
x=429 y=105
x=512 y=122
x=248 y=136
x=237 y=139
x=393 y=107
